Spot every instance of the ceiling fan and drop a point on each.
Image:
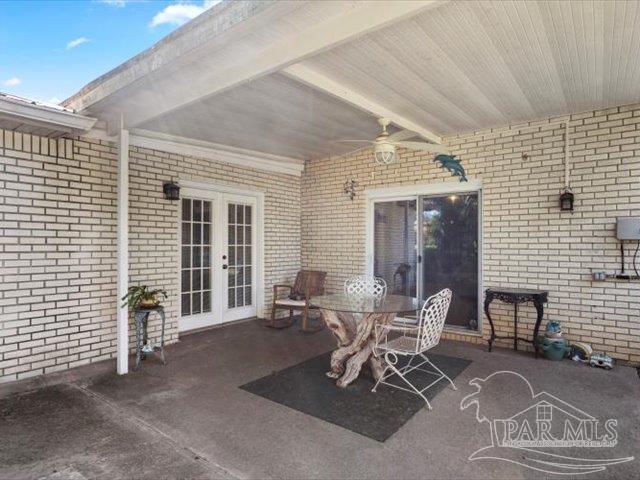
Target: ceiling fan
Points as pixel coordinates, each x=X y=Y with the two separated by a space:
x=385 y=144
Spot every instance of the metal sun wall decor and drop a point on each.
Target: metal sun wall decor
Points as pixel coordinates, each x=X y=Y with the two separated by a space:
x=350 y=188
x=450 y=163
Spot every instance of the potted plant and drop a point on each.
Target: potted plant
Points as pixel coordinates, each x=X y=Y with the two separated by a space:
x=141 y=297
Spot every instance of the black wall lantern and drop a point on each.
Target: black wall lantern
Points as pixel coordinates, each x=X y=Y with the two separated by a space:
x=566 y=200
x=171 y=191
x=566 y=195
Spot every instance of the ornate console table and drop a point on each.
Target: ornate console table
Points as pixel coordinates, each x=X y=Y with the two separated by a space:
x=516 y=296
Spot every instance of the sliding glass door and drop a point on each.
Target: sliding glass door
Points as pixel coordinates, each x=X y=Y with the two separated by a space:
x=394 y=238
x=424 y=243
x=449 y=249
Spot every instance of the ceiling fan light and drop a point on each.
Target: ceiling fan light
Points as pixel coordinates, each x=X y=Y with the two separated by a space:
x=384 y=154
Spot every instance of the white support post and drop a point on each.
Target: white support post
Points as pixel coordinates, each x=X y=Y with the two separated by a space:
x=123 y=250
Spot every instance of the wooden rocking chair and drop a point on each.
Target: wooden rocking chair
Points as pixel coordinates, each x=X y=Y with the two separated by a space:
x=308 y=283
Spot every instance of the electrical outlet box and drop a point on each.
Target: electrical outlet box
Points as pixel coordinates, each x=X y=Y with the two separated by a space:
x=628 y=228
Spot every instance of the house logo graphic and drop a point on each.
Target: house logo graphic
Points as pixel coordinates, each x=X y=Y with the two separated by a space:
x=539 y=430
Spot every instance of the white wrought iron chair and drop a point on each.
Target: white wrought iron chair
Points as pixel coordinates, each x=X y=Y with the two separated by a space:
x=365 y=286
x=413 y=341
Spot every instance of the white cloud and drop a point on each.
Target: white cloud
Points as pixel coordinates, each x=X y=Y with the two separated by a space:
x=12 y=82
x=76 y=42
x=54 y=100
x=180 y=13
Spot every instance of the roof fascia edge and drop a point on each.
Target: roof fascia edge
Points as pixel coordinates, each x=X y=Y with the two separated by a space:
x=172 y=47
x=69 y=122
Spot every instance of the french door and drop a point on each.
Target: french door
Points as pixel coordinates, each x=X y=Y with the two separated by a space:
x=421 y=244
x=217 y=258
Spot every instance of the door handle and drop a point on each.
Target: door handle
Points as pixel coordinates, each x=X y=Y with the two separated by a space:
x=225 y=266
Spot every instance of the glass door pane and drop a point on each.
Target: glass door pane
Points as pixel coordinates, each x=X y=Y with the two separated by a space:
x=394 y=245
x=449 y=244
x=240 y=255
x=195 y=285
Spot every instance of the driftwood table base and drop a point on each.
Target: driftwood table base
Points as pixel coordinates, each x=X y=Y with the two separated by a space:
x=356 y=339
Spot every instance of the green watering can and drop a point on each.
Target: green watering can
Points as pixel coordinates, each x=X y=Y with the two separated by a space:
x=554 y=348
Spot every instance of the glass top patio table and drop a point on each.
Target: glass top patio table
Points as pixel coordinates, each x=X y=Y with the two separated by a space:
x=341 y=302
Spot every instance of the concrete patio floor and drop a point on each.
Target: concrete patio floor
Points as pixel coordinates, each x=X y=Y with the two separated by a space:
x=189 y=419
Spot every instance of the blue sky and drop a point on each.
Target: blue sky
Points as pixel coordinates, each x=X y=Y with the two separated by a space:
x=51 y=49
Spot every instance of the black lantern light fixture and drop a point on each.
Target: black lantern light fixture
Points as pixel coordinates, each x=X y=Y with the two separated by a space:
x=171 y=190
x=566 y=195
x=566 y=199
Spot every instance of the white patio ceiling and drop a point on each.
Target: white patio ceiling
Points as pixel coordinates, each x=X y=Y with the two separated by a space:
x=272 y=114
x=289 y=78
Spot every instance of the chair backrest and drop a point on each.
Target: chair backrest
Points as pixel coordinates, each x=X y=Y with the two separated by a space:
x=432 y=317
x=309 y=282
x=365 y=286
x=402 y=273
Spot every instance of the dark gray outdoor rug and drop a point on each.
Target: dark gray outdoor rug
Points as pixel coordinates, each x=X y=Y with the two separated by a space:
x=306 y=388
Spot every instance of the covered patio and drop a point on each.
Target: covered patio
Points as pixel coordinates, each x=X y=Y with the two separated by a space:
x=323 y=122
x=478 y=163
x=189 y=419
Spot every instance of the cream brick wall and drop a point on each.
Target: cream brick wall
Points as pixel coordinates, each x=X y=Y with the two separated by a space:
x=527 y=241
x=57 y=220
x=57 y=255
x=58 y=243
x=153 y=220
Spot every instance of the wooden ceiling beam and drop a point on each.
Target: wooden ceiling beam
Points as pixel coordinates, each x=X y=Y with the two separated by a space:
x=314 y=79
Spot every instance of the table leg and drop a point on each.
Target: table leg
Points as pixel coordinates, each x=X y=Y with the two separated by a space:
x=162 y=316
x=164 y=362
x=377 y=366
x=515 y=326
x=145 y=333
x=138 y=318
x=343 y=326
x=361 y=348
x=487 y=301
x=537 y=302
x=145 y=330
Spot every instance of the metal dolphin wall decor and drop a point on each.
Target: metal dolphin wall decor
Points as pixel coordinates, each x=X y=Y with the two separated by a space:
x=449 y=162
